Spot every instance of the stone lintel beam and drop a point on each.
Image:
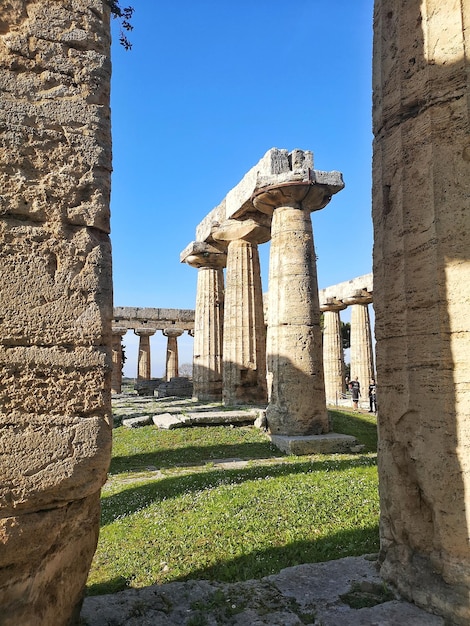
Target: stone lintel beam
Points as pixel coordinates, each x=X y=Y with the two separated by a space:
x=201 y=254
x=156 y=319
x=172 y=332
x=277 y=167
x=348 y=288
x=332 y=304
x=254 y=229
x=359 y=297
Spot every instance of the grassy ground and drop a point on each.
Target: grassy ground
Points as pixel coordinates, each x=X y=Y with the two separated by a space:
x=172 y=511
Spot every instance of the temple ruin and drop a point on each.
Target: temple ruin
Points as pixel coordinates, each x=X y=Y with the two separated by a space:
x=145 y=322
x=56 y=297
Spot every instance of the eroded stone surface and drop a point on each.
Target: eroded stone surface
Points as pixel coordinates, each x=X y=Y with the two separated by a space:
x=421 y=297
x=56 y=301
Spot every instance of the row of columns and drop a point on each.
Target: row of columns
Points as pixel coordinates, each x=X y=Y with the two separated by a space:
x=144 y=362
x=361 y=352
x=280 y=364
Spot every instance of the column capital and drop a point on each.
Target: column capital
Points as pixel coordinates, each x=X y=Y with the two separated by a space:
x=172 y=332
x=255 y=228
x=311 y=195
x=359 y=297
x=200 y=254
x=119 y=331
x=332 y=304
x=144 y=332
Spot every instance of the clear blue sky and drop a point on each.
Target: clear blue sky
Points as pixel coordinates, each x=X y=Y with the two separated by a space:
x=208 y=87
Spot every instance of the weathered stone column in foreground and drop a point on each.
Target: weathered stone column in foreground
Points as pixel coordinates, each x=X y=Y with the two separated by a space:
x=55 y=302
x=116 y=377
x=361 y=354
x=144 y=365
x=421 y=192
x=208 y=321
x=172 y=351
x=296 y=384
x=244 y=345
x=333 y=361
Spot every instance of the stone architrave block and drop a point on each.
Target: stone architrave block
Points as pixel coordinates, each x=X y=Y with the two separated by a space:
x=277 y=167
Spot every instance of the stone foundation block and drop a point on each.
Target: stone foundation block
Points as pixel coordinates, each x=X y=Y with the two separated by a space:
x=330 y=443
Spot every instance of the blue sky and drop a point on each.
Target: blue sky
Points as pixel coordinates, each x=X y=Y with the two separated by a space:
x=206 y=90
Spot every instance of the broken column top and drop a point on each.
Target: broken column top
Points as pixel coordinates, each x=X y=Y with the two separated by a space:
x=277 y=167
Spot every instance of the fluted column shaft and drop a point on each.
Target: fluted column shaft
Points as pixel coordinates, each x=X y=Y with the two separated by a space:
x=172 y=334
x=421 y=192
x=144 y=363
x=333 y=361
x=361 y=354
x=244 y=346
x=116 y=374
x=297 y=403
x=208 y=334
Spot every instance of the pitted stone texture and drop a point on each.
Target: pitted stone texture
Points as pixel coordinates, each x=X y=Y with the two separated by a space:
x=52 y=549
x=296 y=387
x=208 y=334
x=333 y=362
x=421 y=218
x=362 y=362
x=329 y=443
x=244 y=344
x=55 y=301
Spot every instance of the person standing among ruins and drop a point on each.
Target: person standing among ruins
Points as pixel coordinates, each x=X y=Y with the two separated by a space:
x=372 y=396
x=355 y=387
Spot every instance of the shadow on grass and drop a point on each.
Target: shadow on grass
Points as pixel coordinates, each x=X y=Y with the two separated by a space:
x=272 y=560
x=192 y=455
x=135 y=498
x=363 y=427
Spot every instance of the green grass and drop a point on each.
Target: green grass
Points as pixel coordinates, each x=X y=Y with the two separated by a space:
x=136 y=449
x=194 y=520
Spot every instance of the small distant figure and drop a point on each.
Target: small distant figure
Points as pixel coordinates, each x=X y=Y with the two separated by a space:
x=346 y=380
x=372 y=396
x=355 y=387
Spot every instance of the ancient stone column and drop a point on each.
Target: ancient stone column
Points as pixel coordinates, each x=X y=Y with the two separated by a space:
x=143 y=362
x=244 y=344
x=116 y=376
x=171 y=370
x=361 y=354
x=296 y=384
x=55 y=302
x=421 y=191
x=208 y=321
x=333 y=361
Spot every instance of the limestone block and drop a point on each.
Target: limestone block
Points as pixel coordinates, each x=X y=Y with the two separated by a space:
x=421 y=296
x=169 y=421
x=55 y=301
x=137 y=422
x=57 y=285
x=328 y=443
x=52 y=549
